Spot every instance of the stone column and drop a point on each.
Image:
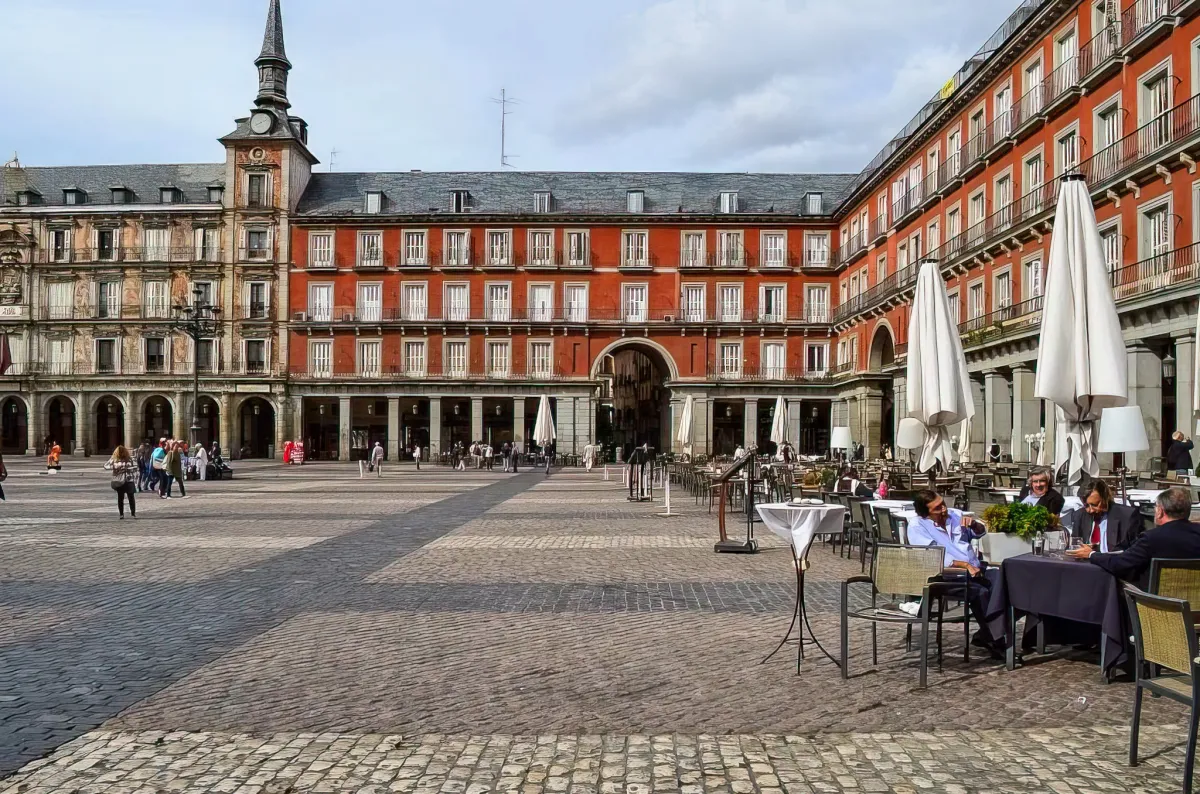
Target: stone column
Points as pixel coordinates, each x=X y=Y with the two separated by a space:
x=226 y=425
x=1145 y=391
x=978 y=428
x=871 y=410
x=435 y=427
x=343 y=428
x=476 y=418
x=794 y=409
x=296 y=420
x=998 y=411
x=1026 y=411
x=750 y=423
x=33 y=427
x=393 y=433
x=1185 y=374
x=180 y=421
x=85 y=422
x=676 y=419
x=282 y=407
x=900 y=390
x=707 y=430
x=519 y=422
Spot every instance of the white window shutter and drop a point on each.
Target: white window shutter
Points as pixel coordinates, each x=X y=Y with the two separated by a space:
x=198 y=240
x=267 y=356
x=116 y=238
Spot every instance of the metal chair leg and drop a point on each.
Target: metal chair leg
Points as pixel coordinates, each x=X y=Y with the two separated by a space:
x=1136 y=724
x=845 y=631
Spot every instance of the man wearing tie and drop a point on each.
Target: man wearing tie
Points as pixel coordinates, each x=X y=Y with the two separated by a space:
x=1103 y=525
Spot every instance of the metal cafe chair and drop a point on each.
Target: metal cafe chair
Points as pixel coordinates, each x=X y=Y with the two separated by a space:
x=911 y=571
x=1164 y=639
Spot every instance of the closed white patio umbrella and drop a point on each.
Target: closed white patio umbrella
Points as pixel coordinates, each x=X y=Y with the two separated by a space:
x=543 y=426
x=779 y=424
x=685 y=424
x=1081 y=365
x=964 y=441
x=939 y=389
x=1196 y=375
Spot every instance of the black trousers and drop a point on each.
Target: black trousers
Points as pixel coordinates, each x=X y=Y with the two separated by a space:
x=126 y=490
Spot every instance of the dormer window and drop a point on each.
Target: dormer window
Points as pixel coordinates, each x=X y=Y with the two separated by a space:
x=215 y=193
x=168 y=195
x=729 y=201
x=541 y=201
x=24 y=198
x=374 y=202
x=635 y=200
x=460 y=200
x=74 y=195
x=813 y=203
x=120 y=194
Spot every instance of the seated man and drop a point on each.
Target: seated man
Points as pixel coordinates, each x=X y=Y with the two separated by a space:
x=1173 y=537
x=937 y=524
x=1037 y=492
x=1102 y=524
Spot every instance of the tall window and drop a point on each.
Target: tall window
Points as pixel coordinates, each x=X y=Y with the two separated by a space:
x=539 y=359
x=368 y=359
x=414 y=357
x=499 y=248
x=729 y=201
x=1034 y=173
x=320 y=358
x=60 y=245
x=1108 y=126
x=370 y=302
x=208 y=244
x=881 y=268
x=729 y=248
x=157 y=244
x=954 y=151
x=816 y=359
x=1066 y=150
x=1003 y=296
x=774 y=249
x=541 y=302
x=813 y=203
x=693 y=303
x=774 y=360
x=1110 y=238
x=256 y=193
x=108 y=303
x=772 y=307
x=541 y=201
x=634 y=249
x=458 y=301
x=575 y=299
x=156 y=354
x=635 y=200
x=816 y=249
x=975 y=305
x=157 y=301
x=458 y=248
x=499 y=302
x=541 y=248
x=498 y=365
x=370 y=249
x=206 y=355
x=816 y=301
x=634 y=301
x=1033 y=93
x=106 y=244
x=256 y=355
x=256 y=300
x=414 y=248
x=731 y=358
x=106 y=356
x=934 y=235
x=955 y=307
x=1156 y=226
x=577 y=249
x=320 y=302
x=60 y=300
x=416 y=302
x=692 y=253
x=1004 y=192
x=729 y=302
x=61 y=355
x=456 y=358
x=953 y=224
x=320 y=250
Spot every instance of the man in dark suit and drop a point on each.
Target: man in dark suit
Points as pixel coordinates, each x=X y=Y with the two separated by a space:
x=1037 y=492
x=1173 y=537
x=1103 y=524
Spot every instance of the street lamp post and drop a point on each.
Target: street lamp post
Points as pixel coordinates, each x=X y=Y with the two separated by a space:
x=199 y=320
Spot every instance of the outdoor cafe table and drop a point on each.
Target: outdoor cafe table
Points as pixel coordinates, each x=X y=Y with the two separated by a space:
x=1058 y=586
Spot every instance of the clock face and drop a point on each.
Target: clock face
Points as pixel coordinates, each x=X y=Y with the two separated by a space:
x=260 y=123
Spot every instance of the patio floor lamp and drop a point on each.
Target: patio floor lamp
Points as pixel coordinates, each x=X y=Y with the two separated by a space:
x=841 y=439
x=1122 y=430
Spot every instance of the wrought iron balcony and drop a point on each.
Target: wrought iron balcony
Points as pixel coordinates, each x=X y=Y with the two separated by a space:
x=1100 y=56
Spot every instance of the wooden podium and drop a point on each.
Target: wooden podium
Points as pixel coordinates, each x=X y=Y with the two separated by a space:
x=747 y=465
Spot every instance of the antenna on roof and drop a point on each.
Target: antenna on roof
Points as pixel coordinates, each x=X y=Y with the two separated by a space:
x=333 y=153
x=14 y=162
x=504 y=102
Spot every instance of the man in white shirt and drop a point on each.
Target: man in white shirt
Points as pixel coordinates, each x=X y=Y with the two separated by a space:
x=377 y=459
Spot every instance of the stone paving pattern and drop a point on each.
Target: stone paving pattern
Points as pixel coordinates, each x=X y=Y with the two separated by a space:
x=302 y=630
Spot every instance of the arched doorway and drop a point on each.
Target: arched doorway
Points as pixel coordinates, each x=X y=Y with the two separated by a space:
x=209 y=420
x=883 y=349
x=14 y=426
x=634 y=408
x=60 y=424
x=157 y=419
x=257 y=423
x=110 y=425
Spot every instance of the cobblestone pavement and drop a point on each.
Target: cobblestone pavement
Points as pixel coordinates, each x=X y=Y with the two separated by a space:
x=304 y=630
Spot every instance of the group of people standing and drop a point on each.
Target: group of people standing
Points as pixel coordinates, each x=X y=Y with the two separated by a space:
x=156 y=468
x=482 y=455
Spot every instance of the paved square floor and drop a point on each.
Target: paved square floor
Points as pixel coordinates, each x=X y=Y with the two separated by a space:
x=305 y=630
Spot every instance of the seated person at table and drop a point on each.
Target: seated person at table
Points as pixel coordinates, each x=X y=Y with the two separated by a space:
x=849 y=483
x=1173 y=537
x=1039 y=493
x=1102 y=523
x=937 y=524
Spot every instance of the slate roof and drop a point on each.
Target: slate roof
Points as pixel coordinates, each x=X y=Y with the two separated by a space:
x=191 y=180
x=511 y=192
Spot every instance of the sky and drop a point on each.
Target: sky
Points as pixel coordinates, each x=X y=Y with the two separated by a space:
x=662 y=85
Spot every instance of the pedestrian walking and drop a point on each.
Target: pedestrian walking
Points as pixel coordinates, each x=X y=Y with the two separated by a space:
x=460 y=454
x=506 y=453
x=377 y=459
x=171 y=472
x=417 y=455
x=141 y=459
x=201 y=462
x=589 y=456
x=489 y=455
x=158 y=466
x=3 y=477
x=124 y=474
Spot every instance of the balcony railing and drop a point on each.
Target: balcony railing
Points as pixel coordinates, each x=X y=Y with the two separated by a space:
x=1142 y=15
x=776 y=260
x=854 y=247
x=816 y=257
x=254 y=254
x=476 y=372
x=1099 y=49
x=949 y=170
x=879 y=226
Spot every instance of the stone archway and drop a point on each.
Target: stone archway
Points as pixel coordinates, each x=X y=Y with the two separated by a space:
x=61 y=422
x=109 y=415
x=634 y=406
x=208 y=417
x=158 y=419
x=14 y=426
x=256 y=429
x=883 y=349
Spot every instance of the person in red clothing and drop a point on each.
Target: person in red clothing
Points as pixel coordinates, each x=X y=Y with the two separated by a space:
x=1103 y=524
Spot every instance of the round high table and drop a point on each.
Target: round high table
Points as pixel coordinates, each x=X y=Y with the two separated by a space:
x=798 y=524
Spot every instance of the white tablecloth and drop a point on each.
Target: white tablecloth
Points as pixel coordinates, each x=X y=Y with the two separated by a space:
x=889 y=504
x=797 y=524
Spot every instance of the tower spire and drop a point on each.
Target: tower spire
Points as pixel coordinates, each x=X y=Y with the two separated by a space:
x=272 y=63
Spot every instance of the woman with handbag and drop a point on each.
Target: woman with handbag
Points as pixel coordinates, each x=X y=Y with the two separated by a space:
x=124 y=475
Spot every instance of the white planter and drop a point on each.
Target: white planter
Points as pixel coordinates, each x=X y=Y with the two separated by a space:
x=999 y=546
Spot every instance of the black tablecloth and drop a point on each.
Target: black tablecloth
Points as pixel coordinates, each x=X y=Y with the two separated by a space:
x=1065 y=588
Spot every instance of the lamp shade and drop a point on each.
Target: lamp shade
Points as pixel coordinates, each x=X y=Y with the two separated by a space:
x=911 y=433
x=841 y=438
x=1122 y=430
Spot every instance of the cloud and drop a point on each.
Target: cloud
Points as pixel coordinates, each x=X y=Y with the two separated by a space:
x=792 y=84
